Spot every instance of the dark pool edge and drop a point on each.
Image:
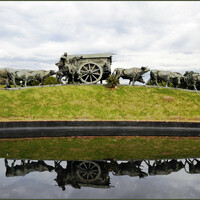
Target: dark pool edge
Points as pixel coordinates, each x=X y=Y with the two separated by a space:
x=30 y=129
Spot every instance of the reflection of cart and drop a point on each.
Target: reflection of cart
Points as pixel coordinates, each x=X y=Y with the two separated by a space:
x=82 y=173
x=91 y=68
x=91 y=173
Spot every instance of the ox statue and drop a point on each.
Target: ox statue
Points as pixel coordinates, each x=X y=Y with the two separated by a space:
x=166 y=76
x=24 y=75
x=42 y=75
x=192 y=79
x=133 y=74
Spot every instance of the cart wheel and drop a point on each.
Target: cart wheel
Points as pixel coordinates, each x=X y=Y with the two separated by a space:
x=90 y=73
x=88 y=171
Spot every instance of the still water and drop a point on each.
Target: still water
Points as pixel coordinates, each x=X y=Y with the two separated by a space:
x=134 y=179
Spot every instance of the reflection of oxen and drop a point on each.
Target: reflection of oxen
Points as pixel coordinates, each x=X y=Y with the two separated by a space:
x=131 y=168
x=194 y=166
x=133 y=74
x=165 y=167
x=166 y=76
x=26 y=167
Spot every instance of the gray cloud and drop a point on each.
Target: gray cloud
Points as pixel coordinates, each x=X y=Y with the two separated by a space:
x=159 y=34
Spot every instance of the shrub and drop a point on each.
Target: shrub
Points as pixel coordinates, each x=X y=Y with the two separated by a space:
x=112 y=81
x=50 y=81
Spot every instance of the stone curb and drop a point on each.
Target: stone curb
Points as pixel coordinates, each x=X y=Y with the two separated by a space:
x=97 y=128
x=81 y=84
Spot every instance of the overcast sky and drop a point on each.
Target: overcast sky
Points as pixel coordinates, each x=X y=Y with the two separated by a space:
x=161 y=35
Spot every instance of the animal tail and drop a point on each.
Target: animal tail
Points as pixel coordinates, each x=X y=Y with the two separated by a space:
x=114 y=72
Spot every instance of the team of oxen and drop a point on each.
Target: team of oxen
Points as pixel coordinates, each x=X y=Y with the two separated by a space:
x=189 y=79
x=24 y=76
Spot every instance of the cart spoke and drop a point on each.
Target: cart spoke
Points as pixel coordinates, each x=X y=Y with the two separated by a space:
x=93 y=68
x=80 y=168
x=87 y=78
x=83 y=75
x=94 y=174
x=93 y=167
x=94 y=77
x=96 y=73
x=91 y=176
x=84 y=67
x=95 y=170
x=83 y=72
x=83 y=173
x=96 y=70
x=87 y=176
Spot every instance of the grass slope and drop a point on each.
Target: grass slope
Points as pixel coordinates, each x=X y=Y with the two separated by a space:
x=97 y=102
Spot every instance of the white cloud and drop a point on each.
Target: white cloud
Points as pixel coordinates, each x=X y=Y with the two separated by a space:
x=162 y=35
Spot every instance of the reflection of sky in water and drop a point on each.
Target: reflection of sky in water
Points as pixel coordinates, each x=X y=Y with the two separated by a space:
x=42 y=185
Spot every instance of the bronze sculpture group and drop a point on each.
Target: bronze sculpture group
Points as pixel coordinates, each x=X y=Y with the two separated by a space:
x=92 y=68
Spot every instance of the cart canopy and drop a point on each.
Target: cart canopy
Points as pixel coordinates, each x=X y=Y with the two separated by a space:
x=97 y=55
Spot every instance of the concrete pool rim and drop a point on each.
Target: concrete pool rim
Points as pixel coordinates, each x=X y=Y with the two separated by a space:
x=30 y=129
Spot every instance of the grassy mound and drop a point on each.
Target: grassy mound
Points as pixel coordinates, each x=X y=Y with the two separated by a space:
x=97 y=102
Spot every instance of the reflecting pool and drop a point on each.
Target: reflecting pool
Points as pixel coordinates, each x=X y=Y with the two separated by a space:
x=130 y=179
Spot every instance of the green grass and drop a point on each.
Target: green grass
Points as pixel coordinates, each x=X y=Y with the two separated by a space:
x=98 y=148
x=94 y=102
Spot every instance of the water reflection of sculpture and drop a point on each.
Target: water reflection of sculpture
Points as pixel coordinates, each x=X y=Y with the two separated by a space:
x=131 y=168
x=96 y=173
x=192 y=166
x=165 y=167
x=78 y=173
x=26 y=167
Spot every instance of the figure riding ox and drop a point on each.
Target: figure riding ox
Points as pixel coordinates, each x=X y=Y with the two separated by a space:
x=165 y=76
x=67 y=68
x=133 y=74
